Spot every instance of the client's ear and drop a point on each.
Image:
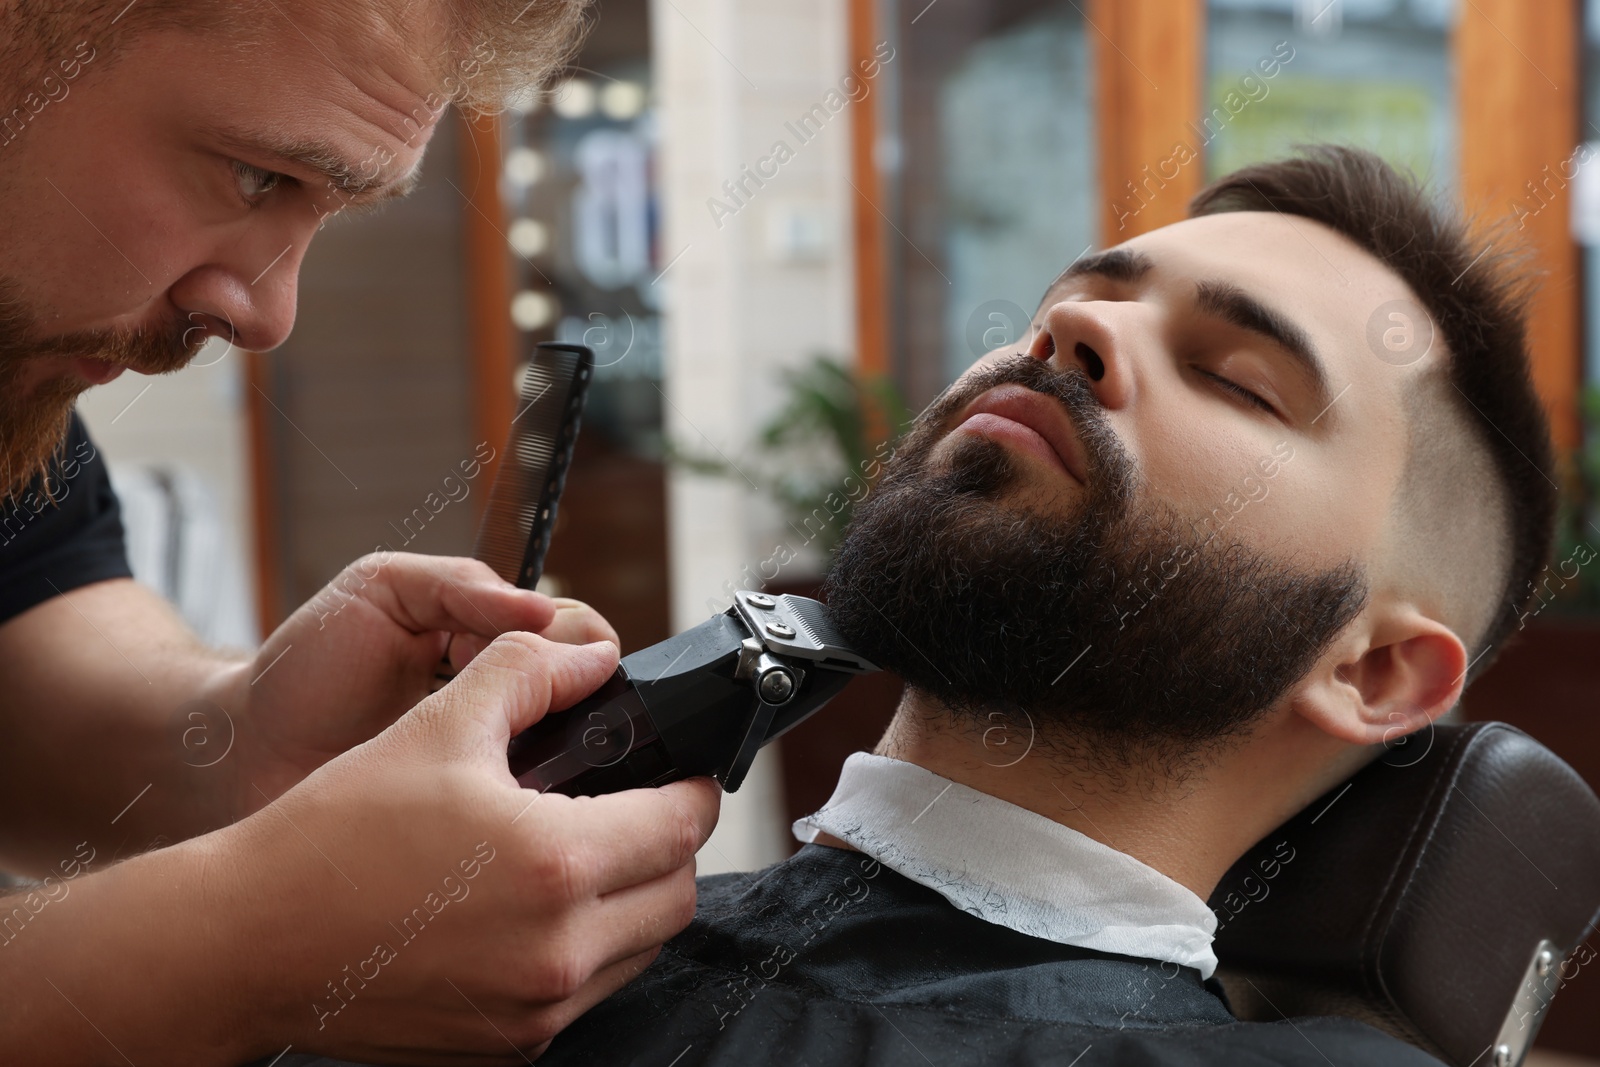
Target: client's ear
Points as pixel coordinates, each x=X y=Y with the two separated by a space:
x=1384 y=679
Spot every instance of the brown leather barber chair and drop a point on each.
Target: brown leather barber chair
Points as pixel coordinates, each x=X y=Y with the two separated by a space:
x=1436 y=895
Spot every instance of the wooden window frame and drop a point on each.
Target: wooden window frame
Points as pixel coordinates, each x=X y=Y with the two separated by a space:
x=1518 y=95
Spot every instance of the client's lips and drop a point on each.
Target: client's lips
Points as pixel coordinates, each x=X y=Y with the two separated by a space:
x=97 y=371
x=1031 y=421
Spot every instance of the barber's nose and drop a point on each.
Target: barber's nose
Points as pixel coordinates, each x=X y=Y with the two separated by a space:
x=250 y=303
x=1087 y=335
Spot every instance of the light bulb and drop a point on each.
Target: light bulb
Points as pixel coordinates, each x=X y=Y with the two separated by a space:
x=622 y=100
x=524 y=166
x=528 y=237
x=574 y=99
x=532 y=310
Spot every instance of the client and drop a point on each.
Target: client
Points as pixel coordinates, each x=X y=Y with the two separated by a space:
x=1264 y=491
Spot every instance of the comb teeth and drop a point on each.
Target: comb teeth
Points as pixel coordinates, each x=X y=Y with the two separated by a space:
x=527 y=485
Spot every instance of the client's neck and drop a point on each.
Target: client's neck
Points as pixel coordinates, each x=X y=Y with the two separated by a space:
x=1191 y=829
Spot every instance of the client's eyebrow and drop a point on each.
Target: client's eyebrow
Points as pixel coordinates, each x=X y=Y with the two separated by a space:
x=1117 y=264
x=352 y=179
x=1233 y=305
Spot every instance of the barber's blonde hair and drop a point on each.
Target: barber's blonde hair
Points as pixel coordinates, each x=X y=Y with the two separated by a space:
x=493 y=48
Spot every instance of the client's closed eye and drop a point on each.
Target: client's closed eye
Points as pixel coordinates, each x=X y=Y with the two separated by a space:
x=1232 y=387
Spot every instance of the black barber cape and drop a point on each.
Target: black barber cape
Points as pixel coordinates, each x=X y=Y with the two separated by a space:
x=830 y=958
x=53 y=546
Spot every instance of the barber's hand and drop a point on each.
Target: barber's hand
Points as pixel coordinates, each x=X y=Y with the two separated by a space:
x=365 y=649
x=458 y=917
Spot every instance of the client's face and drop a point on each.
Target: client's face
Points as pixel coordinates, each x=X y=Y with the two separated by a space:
x=1150 y=525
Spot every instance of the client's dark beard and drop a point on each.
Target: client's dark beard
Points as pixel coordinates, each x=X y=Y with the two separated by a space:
x=32 y=426
x=1117 y=627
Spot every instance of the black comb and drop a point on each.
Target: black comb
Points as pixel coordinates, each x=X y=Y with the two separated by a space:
x=515 y=534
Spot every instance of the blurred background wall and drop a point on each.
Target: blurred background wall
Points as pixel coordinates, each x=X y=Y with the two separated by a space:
x=758 y=213
x=759 y=279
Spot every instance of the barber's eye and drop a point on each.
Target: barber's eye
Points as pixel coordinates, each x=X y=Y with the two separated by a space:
x=255 y=183
x=1227 y=385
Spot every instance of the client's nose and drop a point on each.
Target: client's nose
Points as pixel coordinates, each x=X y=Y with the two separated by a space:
x=1081 y=334
x=1090 y=360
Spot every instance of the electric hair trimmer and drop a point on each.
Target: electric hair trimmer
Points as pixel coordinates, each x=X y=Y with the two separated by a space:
x=700 y=703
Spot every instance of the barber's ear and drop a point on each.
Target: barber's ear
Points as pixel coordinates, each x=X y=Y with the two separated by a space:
x=1384 y=678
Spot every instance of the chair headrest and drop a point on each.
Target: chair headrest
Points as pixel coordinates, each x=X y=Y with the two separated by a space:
x=1434 y=895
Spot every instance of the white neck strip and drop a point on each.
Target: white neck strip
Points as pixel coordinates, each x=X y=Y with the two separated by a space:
x=1013 y=867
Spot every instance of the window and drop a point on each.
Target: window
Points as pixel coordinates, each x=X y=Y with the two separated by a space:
x=990 y=176
x=1372 y=73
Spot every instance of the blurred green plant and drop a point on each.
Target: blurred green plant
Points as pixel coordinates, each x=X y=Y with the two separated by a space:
x=1570 y=585
x=829 y=433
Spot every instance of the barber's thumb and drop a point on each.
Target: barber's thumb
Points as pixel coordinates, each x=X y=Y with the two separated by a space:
x=514 y=683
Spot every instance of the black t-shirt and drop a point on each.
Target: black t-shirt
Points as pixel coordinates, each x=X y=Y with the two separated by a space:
x=52 y=547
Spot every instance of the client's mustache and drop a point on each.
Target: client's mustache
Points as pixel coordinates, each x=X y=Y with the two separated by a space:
x=1109 y=464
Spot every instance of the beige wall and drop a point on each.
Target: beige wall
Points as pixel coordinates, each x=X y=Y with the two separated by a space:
x=195 y=418
x=743 y=301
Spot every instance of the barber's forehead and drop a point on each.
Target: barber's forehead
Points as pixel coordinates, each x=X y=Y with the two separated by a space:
x=363 y=39
x=387 y=74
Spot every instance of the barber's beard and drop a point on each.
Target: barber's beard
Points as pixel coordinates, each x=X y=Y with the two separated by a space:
x=34 y=424
x=1112 y=624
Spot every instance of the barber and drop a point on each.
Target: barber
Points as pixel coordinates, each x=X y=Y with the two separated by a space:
x=299 y=847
